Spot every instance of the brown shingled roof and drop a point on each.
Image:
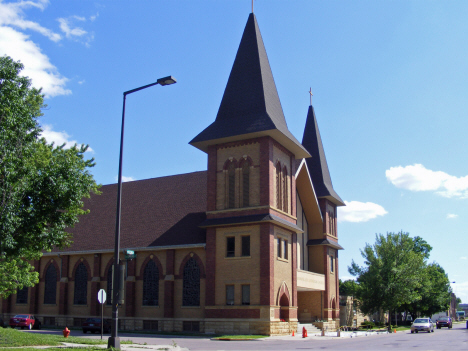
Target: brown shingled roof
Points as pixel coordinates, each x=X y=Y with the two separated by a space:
x=155 y=212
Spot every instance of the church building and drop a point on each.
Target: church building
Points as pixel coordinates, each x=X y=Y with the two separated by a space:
x=249 y=246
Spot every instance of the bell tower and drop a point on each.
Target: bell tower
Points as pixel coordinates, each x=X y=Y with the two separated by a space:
x=251 y=201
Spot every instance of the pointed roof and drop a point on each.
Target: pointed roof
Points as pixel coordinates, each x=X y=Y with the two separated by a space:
x=250 y=106
x=317 y=164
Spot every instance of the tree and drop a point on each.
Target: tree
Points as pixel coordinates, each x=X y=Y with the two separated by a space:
x=391 y=275
x=348 y=287
x=435 y=292
x=41 y=185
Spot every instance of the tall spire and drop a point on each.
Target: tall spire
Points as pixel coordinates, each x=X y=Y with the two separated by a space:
x=250 y=106
x=317 y=164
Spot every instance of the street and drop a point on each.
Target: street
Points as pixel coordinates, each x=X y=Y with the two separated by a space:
x=442 y=339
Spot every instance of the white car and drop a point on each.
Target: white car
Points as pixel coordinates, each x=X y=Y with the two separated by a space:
x=422 y=324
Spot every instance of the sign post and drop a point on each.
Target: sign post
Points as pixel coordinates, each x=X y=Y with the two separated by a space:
x=102 y=298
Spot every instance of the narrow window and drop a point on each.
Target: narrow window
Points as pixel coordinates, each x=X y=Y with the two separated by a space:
x=50 y=286
x=278 y=247
x=151 y=285
x=109 y=286
x=230 y=246
x=245 y=184
x=22 y=295
x=81 y=285
x=332 y=267
x=230 y=295
x=232 y=185
x=278 y=187
x=246 y=294
x=285 y=249
x=285 y=190
x=191 y=284
x=246 y=246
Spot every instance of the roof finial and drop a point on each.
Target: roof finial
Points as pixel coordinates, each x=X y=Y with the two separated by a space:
x=310 y=92
x=252 y=5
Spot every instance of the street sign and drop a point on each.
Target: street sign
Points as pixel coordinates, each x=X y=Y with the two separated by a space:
x=129 y=254
x=101 y=296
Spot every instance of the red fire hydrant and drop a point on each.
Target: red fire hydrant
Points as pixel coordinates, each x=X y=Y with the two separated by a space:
x=66 y=332
x=304 y=332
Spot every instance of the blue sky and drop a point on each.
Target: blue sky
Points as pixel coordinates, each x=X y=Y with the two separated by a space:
x=389 y=80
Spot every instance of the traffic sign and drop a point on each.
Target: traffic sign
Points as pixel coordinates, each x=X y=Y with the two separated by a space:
x=101 y=296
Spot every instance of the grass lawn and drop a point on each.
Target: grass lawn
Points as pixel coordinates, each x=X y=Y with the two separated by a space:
x=15 y=338
x=89 y=348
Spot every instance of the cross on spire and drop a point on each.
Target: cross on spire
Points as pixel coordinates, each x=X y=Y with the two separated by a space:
x=310 y=92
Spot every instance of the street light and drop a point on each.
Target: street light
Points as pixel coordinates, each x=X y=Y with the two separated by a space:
x=114 y=340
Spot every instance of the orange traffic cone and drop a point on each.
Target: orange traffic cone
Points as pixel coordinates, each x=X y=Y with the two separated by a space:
x=293 y=333
x=394 y=330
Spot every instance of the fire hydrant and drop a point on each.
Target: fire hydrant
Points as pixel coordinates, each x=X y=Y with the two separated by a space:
x=304 y=332
x=66 y=332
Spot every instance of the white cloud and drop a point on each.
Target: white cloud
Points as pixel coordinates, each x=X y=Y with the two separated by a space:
x=356 y=211
x=125 y=179
x=451 y=216
x=14 y=42
x=419 y=178
x=59 y=138
x=70 y=32
x=11 y=14
x=462 y=258
x=36 y=65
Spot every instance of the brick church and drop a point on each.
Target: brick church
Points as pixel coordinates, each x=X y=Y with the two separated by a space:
x=249 y=246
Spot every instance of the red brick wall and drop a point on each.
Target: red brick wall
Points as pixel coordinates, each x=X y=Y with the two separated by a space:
x=233 y=313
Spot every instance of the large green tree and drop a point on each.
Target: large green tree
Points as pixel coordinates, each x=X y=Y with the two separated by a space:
x=435 y=292
x=392 y=272
x=41 y=185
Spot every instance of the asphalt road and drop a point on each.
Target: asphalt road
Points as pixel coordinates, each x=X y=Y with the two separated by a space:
x=442 y=339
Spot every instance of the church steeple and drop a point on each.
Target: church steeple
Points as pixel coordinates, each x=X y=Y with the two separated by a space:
x=250 y=107
x=317 y=164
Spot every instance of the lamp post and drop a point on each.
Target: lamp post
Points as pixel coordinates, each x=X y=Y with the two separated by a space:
x=114 y=340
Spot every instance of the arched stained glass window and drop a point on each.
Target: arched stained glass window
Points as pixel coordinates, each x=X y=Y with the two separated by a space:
x=245 y=184
x=151 y=284
x=109 y=286
x=231 y=185
x=191 y=283
x=22 y=295
x=81 y=285
x=285 y=190
x=279 y=181
x=50 y=286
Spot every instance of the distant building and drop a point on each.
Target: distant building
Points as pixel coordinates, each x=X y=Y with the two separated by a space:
x=248 y=246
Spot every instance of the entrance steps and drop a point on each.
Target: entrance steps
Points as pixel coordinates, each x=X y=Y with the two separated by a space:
x=311 y=329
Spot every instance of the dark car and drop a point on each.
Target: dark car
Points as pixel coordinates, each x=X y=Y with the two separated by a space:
x=2 y=323
x=93 y=325
x=444 y=322
x=25 y=321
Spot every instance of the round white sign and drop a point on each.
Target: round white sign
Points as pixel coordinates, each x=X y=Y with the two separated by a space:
x=101 y=296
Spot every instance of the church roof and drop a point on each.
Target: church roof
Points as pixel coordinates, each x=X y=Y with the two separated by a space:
x=250 y=106
x=317 y=164
x=162 y=211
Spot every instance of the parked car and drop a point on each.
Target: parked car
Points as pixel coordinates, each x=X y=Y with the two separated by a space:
x=422 y=324
x=93 y=325
x=444 y=322
x=25 y=321
x=2 y=323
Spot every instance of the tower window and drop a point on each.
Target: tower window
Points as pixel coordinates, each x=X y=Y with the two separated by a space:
x=279 y=201
x=230 y=295
x=332 y=264
x=285 y=190
x=246 y=245
x=246 y=294
x=230 y=246
x=245 y=184
x=231 y=185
